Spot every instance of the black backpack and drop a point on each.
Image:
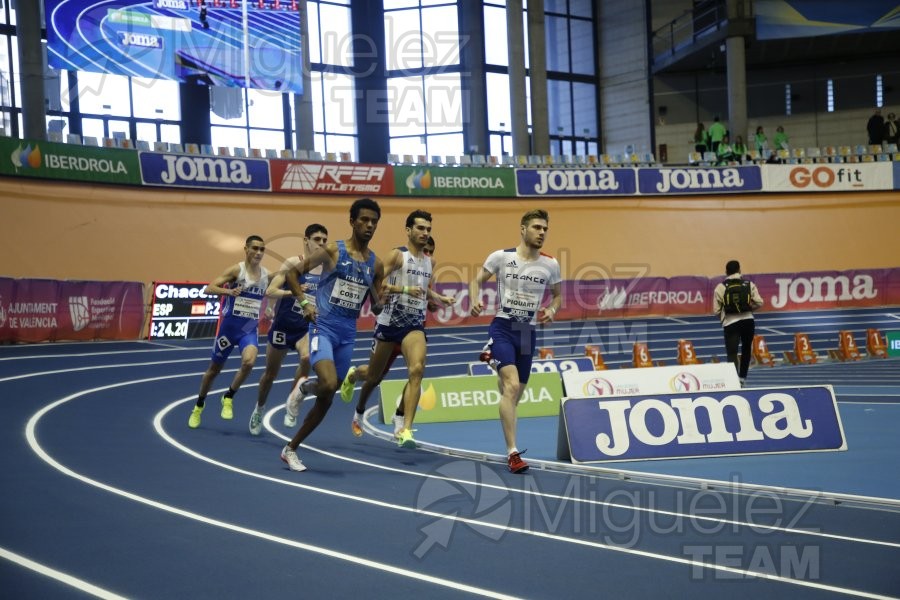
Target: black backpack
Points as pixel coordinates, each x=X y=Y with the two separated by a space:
x=736 y=298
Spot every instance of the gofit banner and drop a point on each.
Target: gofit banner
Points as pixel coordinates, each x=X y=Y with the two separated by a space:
x=450 y=399
x=750 y=421
x=828 y=177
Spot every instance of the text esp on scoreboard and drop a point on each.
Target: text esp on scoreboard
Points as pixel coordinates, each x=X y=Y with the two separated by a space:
x=181 y=310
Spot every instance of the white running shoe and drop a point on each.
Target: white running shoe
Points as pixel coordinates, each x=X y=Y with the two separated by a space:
x=292 y=404
x=255 y=422
x=293 y=461
x=399 y=425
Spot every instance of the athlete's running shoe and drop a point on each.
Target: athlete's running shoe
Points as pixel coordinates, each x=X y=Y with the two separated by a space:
x=255 y=422
x=399 y=424
x=293 y=461
x=227 y=409
x=347 y=386
x=405 y=439
x=194 y=420
x=292 y=404
x=516 y=464
x=356 y=428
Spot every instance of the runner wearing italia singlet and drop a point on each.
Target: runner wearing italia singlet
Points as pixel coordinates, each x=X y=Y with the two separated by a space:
x=243 y=287
x=524 y=274
x=350 y=273
x=401 y=324
x=289 y=329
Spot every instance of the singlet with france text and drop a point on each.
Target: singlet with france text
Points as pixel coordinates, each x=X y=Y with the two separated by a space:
x=521 y=284
x=403 y=310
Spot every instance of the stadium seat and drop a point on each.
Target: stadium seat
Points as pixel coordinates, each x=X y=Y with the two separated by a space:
x=315 y=155
x=285 y=153
x=332 y=157
x=55 y=136
x=73 y=138
x=271 y=153
x=465 y=160
x=437 y=161
x=346 y=157
x=304 y=155
x=142 y=145
x=89 y=140
x=223 y=151
x=450 y=159
x=239 y=152
x=509 y=160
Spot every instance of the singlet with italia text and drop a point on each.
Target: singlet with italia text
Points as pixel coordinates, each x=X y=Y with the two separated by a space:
x=403 y=310
x=246 y=306
x=343 y=289
x=521 y=284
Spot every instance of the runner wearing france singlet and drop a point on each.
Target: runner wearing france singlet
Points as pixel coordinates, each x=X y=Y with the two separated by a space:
x=350 y=272
x=289 y=329
x=523 y=275
x=243 y=287
x=402 y=325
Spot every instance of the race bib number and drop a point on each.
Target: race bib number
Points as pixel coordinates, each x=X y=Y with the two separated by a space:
x=348 y=294
x=246 y=307
x=520 y=305
x=411 y=304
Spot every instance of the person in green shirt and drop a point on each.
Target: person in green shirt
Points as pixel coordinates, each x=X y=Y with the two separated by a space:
x=762 y=142
x=701 y=139
x=717 y=131
x=781 y=139
x=739 y=148
x=724 y=153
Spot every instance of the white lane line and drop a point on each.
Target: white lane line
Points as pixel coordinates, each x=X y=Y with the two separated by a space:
x=79 y=584
x=355 y=560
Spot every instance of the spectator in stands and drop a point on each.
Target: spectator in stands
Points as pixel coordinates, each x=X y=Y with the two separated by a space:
x=891 y=129
x=762 y=142
x=875 y=127
x=701 y=139
x=717 y=131
x=781 y=140
x=724 y=153
x=734 y=301
x=739 y=148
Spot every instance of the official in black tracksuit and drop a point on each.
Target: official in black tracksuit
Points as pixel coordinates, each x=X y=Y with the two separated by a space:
x=734 y=301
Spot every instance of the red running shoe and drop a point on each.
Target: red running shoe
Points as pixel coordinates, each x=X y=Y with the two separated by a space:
x=516 y=464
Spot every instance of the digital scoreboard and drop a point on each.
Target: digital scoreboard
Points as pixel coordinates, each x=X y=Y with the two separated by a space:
x=182 y=311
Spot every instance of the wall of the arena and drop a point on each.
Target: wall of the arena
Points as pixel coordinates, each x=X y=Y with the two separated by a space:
x=83 y=231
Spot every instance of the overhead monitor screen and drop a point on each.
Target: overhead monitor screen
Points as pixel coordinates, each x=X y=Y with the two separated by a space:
x=235 y=43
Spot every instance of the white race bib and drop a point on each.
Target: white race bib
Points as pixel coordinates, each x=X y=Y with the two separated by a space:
x=246 y=307
x=348 y=294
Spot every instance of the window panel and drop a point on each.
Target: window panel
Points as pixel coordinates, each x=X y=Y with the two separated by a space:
x=557 y=33
x=337 y=36
x=407 y=106
x=584 y=103
x=495 y=46
x=264 y=139
x=443 y=103
x=156 y=99
x=403 y=40
x=582 y=47
x=228 y=136
x=101 y=94
x=555 y=6
x=340 y=104
x=440 y=36
x=170 y=133
x=314 y=45
x=497 y=87
x=92 y=128
x=581 y=8
x=414 y=145
x=121 y=128
x=341 y=143
x=394 y=4
x=445 y=144
x=318 y=103
x=265 y=109
x=559 y=106
x=147 y=132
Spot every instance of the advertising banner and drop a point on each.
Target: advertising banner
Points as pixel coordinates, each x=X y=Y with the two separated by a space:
x=332 y=178
x=46 y=310
x=829 y=289
x=893 y=343
x=698 y=180
x=697 y=424
x=828 y=177
x=450 y=399
x=202 y=171
x=554 y=365
x=477 y=182
x=715 y=377
x=576 y=182
x=50 y=160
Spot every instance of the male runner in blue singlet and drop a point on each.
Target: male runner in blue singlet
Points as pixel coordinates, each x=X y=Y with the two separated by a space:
x=246 y=286
x=351 y=271
x=289 y=328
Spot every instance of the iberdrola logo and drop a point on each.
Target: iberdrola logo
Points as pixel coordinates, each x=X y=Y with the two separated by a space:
x=29 y=158
x=419 y=180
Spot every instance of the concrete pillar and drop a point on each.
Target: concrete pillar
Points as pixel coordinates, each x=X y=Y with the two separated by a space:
x=515 y=34
x=472 y=86
x=369 y=61
x=537 y=66
x=303 y=108
x=31 y=71
x=737 y=87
